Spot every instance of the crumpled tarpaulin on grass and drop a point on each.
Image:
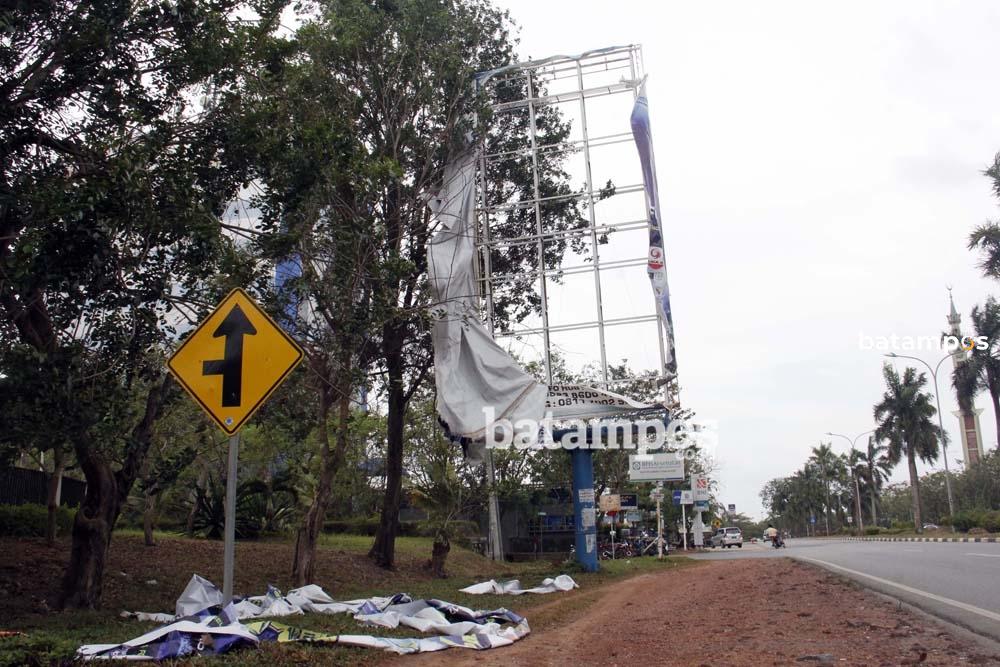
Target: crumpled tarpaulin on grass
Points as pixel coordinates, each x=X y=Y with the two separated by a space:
x=563 y=582
x=203 y=626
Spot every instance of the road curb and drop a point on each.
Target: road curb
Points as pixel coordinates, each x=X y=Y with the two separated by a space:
x=922 y=539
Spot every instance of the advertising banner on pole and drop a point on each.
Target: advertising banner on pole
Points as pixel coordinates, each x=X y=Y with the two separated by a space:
x=656 y=467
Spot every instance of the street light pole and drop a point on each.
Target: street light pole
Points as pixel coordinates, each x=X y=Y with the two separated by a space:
x=944 y=444
x=854 y=476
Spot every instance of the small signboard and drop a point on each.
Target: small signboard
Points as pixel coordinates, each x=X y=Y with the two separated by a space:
x=629 y=501
x=701 y=506
x=687 y=497
x=677 y=497
x=633 y=516
x=732 y=507
x=700 y=487
x=610 y=502
x=651 y=467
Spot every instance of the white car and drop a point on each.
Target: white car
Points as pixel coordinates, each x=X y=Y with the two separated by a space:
x=727 y=537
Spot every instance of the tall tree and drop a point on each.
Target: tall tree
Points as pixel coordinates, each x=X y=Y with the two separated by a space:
x=905 y=419
x=403 y=72
x=829 y=466
x=986 y=237
x=876 y=474
x=111 y=188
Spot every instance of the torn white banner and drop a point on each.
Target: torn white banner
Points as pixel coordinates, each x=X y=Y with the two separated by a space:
x=563 y=582
x=456 y=626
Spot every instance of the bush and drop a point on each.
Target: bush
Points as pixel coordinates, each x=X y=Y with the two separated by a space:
x=967 y=519
x=30 y=520
x=874 y=530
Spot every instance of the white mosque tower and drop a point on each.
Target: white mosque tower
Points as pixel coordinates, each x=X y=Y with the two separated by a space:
x=968 y=420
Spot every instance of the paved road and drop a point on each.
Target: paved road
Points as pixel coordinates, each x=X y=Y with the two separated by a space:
x=958 y=581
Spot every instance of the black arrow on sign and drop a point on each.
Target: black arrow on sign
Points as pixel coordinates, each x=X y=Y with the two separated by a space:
x=230 y=367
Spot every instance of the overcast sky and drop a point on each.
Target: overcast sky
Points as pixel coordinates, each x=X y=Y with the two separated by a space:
x=820 y=170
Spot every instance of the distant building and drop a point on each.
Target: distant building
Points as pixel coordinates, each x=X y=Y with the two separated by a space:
x=968 y=420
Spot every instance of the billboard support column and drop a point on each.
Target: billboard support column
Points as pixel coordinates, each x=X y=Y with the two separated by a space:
x=584 y=514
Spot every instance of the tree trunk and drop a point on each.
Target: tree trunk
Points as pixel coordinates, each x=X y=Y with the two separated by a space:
x=439 y=554
x=857 y=505
x=383 y=551
x=304 y=560
x=54 y=492
x=911 y=461
x=81 y=587
x=199 y=484
x=996 y=413
x=106 y=492
x=148 y=518
x=872 y=491
x=826 y=514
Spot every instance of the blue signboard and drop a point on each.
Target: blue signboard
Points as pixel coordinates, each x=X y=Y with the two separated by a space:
x=677 y=497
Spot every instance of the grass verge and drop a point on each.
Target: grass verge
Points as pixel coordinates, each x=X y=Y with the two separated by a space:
x=140 y=578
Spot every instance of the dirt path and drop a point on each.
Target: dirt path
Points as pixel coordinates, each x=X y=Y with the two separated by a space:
x=731 y=613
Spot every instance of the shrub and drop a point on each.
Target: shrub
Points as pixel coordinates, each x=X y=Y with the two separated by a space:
x=967 y=519
x=30 y=520
x=873 y=530
x=991 y=522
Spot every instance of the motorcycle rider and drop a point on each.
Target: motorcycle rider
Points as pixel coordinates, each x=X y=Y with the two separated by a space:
x=772 y=534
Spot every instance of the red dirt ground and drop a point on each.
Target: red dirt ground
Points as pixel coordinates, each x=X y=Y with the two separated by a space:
x=732 y=613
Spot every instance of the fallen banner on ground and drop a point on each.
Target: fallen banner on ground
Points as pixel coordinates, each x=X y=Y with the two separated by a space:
x=563 y=582
x=203 y=626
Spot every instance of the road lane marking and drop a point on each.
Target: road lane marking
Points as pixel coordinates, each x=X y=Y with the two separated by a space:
x=916 y=591
x=984 y=555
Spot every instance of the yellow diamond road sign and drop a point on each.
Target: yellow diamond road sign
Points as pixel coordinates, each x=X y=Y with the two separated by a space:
x=234 y=360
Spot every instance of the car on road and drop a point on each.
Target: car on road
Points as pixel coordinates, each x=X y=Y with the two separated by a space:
x=727 y=537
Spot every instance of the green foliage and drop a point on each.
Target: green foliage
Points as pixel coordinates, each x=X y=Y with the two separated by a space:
x=253 y=515
x=31 y=650
x=31 y=520
x=966 y=520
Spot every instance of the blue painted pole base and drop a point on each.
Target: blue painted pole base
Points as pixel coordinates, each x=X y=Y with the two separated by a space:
x=584 y=512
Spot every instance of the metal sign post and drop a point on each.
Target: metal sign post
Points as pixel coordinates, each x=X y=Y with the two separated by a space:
x=684 y=521
x=230 y=364
x=229 y=552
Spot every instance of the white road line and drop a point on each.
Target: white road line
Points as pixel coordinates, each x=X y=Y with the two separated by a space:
x=916 y=591
x=984 y=555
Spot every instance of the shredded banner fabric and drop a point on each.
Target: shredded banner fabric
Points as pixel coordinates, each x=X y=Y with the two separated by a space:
x=203 y=626
x=656 y=265
x=563 y=582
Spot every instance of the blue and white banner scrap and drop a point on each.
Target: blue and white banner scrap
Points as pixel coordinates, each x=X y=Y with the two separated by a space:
x=656 y=264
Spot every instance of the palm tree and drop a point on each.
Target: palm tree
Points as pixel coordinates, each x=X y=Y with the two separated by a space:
x=981 y=371
x=856 y=465
x=829 y=466
x=986 y=237
x=877 y=467
x=904 y=419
